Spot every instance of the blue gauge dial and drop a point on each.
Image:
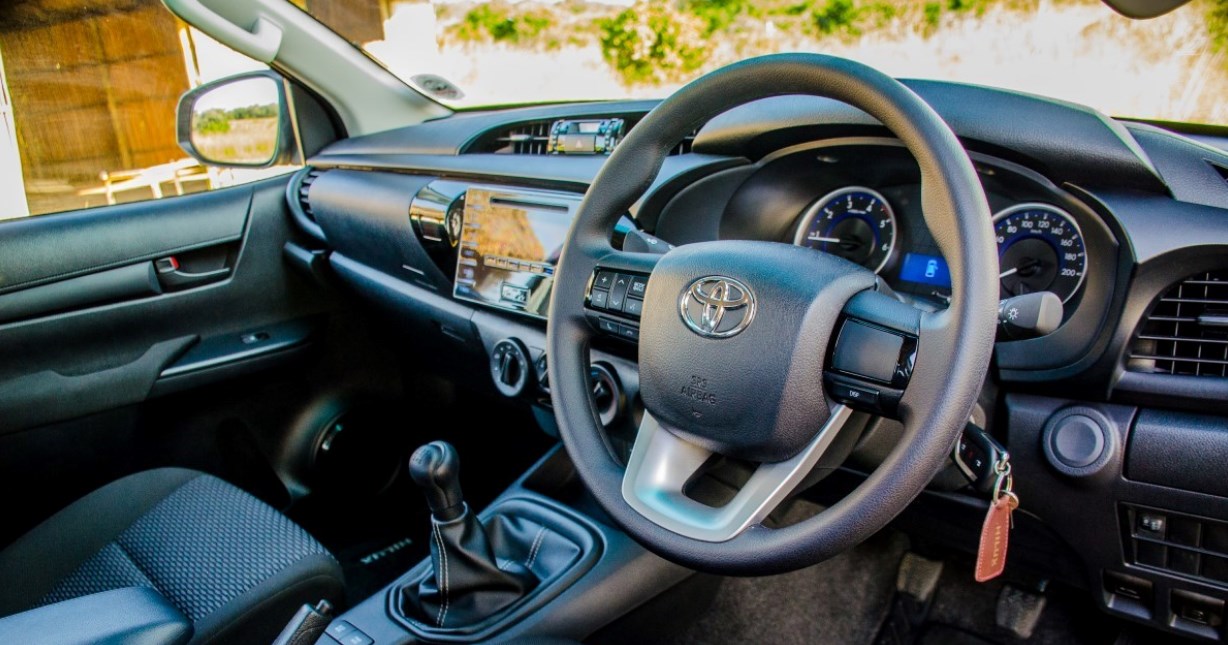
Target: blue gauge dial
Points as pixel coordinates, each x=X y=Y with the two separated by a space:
x=1040 y=248
x=855 y=223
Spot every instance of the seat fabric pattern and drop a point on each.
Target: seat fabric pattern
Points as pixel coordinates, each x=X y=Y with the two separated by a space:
x=202 y=546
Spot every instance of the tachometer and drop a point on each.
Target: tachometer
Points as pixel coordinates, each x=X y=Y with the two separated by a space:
x=855 y=223
x=1040 y=248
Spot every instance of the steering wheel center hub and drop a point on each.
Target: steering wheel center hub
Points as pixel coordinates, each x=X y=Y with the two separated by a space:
x=734 y=338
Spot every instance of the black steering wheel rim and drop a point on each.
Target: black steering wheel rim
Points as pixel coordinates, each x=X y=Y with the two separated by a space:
x=951 y=361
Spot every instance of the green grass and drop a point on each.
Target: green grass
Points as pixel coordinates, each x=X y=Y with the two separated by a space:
x=654 y=43
x=1217 y=23
x=503 y=23
x=837 y=16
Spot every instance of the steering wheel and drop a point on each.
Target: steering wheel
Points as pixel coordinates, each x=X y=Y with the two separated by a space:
x=736 y=337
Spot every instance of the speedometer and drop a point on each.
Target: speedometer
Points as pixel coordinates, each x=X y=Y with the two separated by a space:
x=1040 y=248
x=855 y=223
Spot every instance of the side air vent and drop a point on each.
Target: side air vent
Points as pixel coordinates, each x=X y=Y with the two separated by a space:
x=684 y=146
x=304 y=188
x=1187 y=330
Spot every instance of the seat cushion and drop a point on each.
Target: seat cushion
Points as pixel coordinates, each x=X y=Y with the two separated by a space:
x=236 y=567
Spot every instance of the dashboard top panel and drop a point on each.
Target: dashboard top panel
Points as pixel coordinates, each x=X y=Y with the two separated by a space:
x=1066 y=142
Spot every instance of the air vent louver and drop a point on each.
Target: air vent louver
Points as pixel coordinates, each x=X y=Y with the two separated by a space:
x=304 y=188
x=684 y=146
x=524 y=139
x=1187 y=330
x=533 y=138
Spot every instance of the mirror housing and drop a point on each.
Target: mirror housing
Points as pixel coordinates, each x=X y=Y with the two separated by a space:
x=241 y=121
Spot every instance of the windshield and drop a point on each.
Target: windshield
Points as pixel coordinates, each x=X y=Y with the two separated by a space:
x=472 y=54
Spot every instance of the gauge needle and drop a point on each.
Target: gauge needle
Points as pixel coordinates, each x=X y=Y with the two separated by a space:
x=1008 y=272
x=816 y=238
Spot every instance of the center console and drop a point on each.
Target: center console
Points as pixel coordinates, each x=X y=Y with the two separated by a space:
x=467 y=269
x=541 y=561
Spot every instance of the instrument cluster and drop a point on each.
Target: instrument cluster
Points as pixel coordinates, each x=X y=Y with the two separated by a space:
x=1040 y=246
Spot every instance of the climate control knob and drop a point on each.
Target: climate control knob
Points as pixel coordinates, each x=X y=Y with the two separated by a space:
x=510 y=367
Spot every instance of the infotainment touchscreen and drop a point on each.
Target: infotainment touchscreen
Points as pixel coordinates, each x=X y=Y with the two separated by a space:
x=510 y=242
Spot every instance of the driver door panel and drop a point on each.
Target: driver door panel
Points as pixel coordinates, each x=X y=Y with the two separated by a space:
x=85 y=362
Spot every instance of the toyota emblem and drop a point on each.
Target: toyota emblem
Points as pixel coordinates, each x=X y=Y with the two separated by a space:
x=717 y=306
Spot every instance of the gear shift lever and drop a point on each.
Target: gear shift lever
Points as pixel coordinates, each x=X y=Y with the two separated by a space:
x=435 y=468
x=466 y=584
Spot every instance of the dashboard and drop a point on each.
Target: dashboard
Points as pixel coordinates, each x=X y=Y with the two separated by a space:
x=453 y=229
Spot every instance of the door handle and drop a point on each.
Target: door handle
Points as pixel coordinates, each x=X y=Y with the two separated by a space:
x=176 y=280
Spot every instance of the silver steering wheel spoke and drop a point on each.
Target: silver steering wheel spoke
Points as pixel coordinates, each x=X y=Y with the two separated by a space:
x=662 y=463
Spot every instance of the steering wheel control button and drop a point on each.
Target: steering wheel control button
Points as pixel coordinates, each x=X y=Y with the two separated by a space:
x=868 y=352
x=599 y=299
x=630 y=333
x=717 y=306
x=1079 y=441
x=856 y=396
x=618 y=293
x=639 y=286
x=604 y=280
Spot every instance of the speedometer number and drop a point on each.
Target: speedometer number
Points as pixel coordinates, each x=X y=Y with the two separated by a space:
x=1040 y=248
x=855 y=223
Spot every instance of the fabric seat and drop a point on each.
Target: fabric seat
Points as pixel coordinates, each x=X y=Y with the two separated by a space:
x=236 y=567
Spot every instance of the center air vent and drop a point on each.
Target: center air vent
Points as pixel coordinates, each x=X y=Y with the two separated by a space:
x=523 y=139
x=1187 y=330
x=533 y=138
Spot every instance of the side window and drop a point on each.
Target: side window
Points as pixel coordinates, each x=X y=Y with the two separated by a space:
x=88 y=94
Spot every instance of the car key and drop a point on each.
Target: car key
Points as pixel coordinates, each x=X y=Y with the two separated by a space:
x=995 y=531
x=976 y=454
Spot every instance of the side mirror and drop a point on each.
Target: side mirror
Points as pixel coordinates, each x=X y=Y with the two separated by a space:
x=239 y=121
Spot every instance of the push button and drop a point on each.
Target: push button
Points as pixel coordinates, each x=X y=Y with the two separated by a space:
x=633 y=307
x=355 y=638
x=629 y=332
x=857 y=396
x=339 y=629
x=599 y=299
x=618 y=293
x=1151 y=524
x=604 y=280
x=607 y=326
x=639 y=285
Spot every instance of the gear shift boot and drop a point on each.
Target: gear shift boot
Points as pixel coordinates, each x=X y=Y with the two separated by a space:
x=468 y=581
x=478 y=570
x=529 y=551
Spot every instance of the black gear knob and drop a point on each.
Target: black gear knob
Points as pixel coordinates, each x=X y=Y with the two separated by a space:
x=435 y=468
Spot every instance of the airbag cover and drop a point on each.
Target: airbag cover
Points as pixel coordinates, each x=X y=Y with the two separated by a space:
x=752 y=386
